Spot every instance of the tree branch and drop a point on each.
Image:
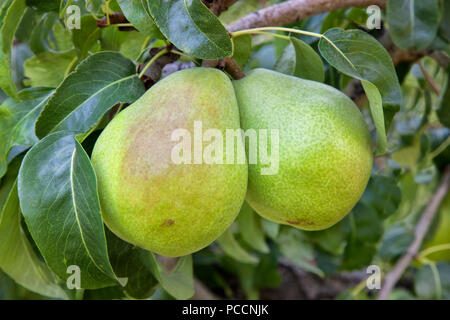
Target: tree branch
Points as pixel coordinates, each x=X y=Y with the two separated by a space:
x=114 y=18
x=421 y=229
x=294 y=10
x=218 y=6
x=153 y=74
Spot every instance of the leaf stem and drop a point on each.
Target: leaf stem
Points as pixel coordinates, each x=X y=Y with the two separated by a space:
x=440 y=149
x=156 y=56
x=122 y=25
x=356 y=290
x=434 y=249
x=181 y=54
x=254 y=30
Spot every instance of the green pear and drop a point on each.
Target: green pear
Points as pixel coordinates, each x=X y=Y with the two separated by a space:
x=147 y=198
x=324 y=153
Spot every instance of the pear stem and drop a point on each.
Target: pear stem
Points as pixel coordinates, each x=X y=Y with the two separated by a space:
x=152 y=60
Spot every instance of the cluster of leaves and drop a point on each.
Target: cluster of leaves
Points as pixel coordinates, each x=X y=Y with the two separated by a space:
x=58 y=90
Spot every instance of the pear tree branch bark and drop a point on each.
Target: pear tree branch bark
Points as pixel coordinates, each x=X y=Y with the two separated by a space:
x=421 y=229
x=294 y=10
x=218 y=6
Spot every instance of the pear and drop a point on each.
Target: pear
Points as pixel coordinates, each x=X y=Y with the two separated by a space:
x=154 y=201
x=324 y=153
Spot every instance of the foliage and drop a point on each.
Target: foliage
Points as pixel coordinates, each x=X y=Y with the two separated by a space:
x=60 y=88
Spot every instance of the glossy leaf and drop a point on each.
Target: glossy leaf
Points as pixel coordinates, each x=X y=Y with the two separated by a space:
x=17 y=122
x=413 y=23
x=363 y=58
x=190 y=26
x=300 y=60
x=136 y=11
x=97 y=84
x=10 y=15
x=126 y=261
x=383 y=194
x=359 y=55
x=17 y=257
x=58 y=196
x=178 y=282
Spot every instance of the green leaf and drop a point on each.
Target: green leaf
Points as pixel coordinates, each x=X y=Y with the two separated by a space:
x=62 y=37
x=365 y=232
x=10 y=15
x=232 y=248
x=362 y=57
x=444 y=103
x=133 y=45
x=376 y=109
x=413 y=23
x=242 y=49
x=40 y=40
x=383 y=194
x=444 y=28
x=396 y=241
x=251 y=230
x=190 y=26
x=8 y=181
x=97 y=83
x=85 y=37
x=300 y=60
x=359 y=55
x=48 y=69
x=26 y=26
x=17 y=257
x=94 y=6
x=331 y=240
x=126 y=261
x=178 y=282
x=17 y=122
x=294 y=246
x=270 y=228
x=58 y=196
x=358 y=15
x=136 y=11
x=333 y=19
x=433 y=284
x=44 y=5
x=112 y=38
